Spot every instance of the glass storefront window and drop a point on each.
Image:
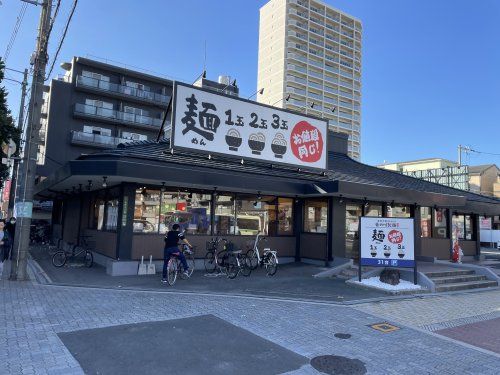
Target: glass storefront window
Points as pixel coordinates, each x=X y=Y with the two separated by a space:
x=440 y=229
x=285 y=216
x=468 y=227
x=462 y=226
x=315 y=216
x=190 y=210
x=399 y=210
x=146 y=212
x=352 y=214
x=225 y=222
x=372 y=209
x=112 y=214
x=425 y=222
x=98 y=214
x=255 y=214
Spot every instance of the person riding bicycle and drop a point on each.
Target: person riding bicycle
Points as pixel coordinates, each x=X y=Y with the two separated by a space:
x=171 y=248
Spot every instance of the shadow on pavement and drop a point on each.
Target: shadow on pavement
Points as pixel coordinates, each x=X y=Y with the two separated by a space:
x=292 y=281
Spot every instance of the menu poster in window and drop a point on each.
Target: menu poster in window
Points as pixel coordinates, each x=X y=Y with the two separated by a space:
x=387 y=242
x=211 y=122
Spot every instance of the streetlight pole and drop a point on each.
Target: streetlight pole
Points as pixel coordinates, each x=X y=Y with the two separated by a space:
x=27 y=168
x=20 y=121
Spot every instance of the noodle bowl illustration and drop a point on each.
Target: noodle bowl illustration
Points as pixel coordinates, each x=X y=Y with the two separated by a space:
x=257 y=142
x=278 y=145
x=233 y=139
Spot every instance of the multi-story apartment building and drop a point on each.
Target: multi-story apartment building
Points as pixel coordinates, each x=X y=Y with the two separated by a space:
x=310 y=61
x=95 y=106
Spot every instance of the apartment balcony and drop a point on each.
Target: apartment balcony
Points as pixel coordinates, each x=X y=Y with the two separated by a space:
x=297 y=24
x=95 y=140
x=315 y=85
x=333 y=18
x=316 y=63
x=296 y=91
x=292 y=78
x=123 y=91
x=331 y=90
x=344 y=73
x=297 y=35
x=312 y=73
x=297 y=68
x=331 y=79
x=116 y=117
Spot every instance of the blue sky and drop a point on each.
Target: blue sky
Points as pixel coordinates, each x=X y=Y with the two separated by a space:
x=431 y=77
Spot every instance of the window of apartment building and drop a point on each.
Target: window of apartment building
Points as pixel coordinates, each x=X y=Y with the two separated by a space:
x=134 y=136
x=95 y=77
x=462 y=226
x=315 y=216
x=138 y=86
x=96 y=130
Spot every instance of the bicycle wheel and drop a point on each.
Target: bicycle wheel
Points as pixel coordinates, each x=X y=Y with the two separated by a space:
x=232 y=266
x=271 y=263
x=253 y=261
x=210 y=262
x=191 y=265
x=59 y=259
x=172 y=268
x=221 y=259
x=246 y=268
x=88 y=259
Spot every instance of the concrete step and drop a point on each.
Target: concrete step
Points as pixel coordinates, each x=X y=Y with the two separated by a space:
x=465 y=285
x=448 y=273
x=457 y=279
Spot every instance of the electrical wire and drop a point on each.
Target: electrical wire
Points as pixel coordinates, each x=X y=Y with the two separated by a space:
x=61 y=41
x=15 y=31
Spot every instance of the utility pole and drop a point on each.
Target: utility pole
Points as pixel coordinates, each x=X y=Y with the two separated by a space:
x=466 y=149
x=27 y=168
x=20 y=121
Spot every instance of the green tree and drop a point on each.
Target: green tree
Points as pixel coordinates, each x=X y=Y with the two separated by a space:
x=7 y=127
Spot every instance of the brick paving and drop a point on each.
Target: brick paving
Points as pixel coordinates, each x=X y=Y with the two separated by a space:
x=31 y=315
x=485 y=334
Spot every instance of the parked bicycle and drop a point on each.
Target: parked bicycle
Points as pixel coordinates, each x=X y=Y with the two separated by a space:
x=234 y=261
x=174 y=265
x=211 y=257
x=269 y=258
x=60 y=257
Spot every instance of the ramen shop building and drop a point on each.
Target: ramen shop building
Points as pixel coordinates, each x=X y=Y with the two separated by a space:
x=235 y=168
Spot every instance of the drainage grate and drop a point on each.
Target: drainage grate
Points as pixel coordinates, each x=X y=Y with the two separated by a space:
x=332 y=364
x=342 y=336
x=384 y=327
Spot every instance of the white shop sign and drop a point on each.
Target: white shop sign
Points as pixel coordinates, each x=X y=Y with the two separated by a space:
x=387 y=242
x=215 y=123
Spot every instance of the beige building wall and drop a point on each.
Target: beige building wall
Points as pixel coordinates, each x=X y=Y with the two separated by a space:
x=487 y=182
x=310 y=54
x=419 y=165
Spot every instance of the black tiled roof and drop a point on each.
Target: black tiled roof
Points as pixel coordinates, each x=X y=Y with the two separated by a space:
x=343 y=168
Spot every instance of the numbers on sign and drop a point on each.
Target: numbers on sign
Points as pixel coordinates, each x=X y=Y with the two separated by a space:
x=255 y=118
x=276 y=122
x=228 y=121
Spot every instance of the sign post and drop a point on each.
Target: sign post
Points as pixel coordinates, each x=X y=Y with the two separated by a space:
x=387 y=242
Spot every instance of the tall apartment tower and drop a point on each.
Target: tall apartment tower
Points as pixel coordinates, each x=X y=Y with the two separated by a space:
x=310 y=61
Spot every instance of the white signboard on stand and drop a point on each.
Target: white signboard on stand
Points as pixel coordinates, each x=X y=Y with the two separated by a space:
x=215 y=123
x=387 y=242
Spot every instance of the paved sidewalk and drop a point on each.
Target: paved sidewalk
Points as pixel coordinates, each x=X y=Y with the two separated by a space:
x=291 y=281
x=33 y=315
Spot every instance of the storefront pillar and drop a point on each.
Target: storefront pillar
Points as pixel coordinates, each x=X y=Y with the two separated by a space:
x=477 y=235
x=417 y=229
x=298 y=222
x=125 y=225
x=337 y=229
x=329 y=234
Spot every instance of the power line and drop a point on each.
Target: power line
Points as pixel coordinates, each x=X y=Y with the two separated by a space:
x=61 y=41
x=13 y=36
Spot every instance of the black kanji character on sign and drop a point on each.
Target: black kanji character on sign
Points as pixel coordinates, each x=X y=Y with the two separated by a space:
x=209 y=121
x=190 y=122
x=378 y=236
x=239 y=121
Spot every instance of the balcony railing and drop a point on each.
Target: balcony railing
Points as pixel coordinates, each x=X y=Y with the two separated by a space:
x=121 y=89
x=116 y=116
x=96 y=140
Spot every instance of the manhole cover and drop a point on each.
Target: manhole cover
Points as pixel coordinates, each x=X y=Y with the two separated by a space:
x=342 y=336
x=332 y=364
